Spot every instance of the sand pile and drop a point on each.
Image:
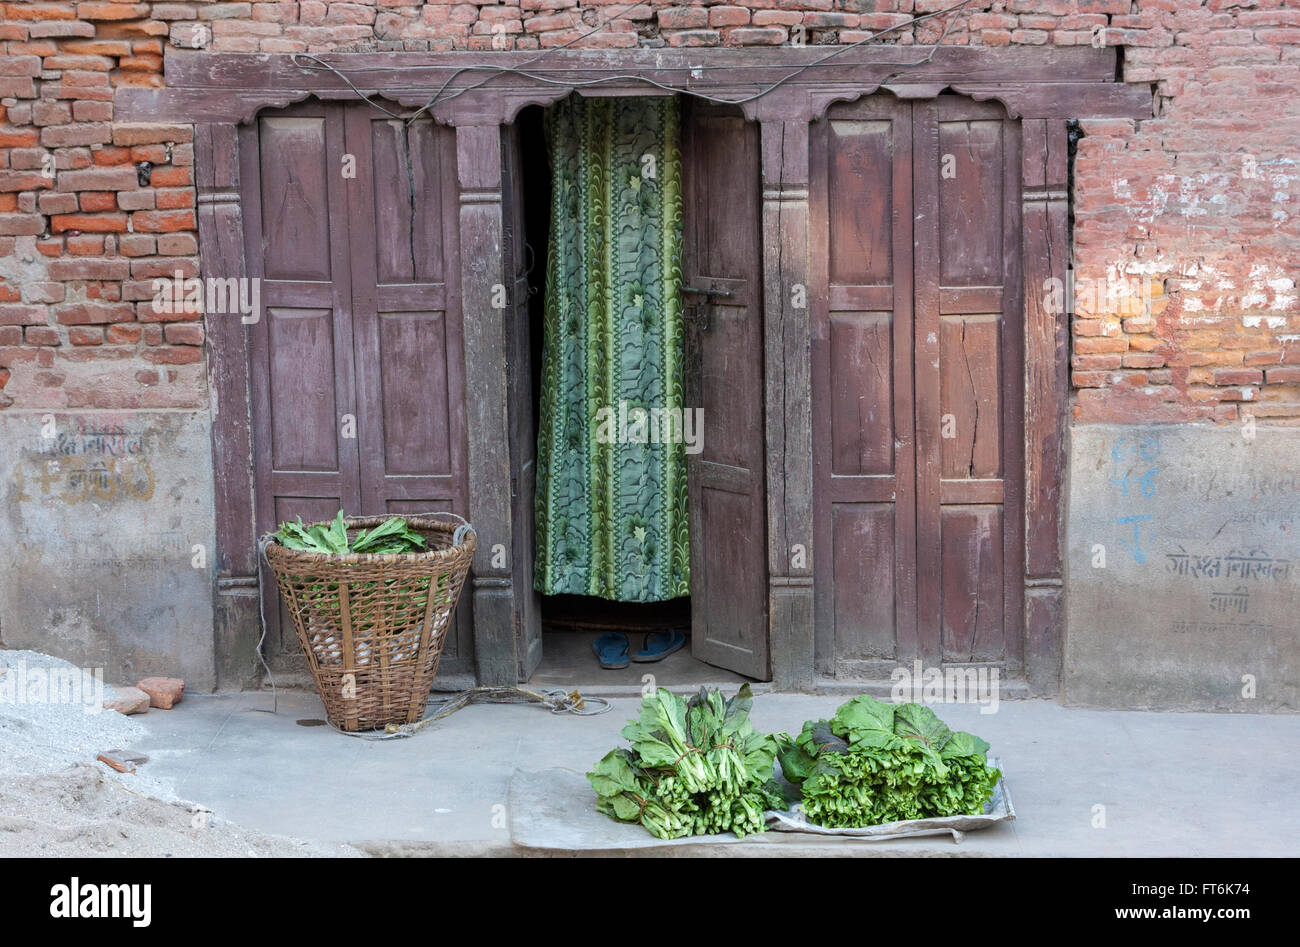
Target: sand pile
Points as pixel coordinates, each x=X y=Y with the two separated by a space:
x=56 y=800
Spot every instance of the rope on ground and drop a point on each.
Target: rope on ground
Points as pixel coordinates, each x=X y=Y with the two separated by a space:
x=558 y=701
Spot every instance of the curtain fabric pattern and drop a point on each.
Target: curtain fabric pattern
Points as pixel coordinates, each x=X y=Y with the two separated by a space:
x=611 y=500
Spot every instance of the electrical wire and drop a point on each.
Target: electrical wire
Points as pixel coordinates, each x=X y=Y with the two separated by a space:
x=522 y=70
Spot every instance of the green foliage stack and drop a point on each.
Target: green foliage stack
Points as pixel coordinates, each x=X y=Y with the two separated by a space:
x=875 y=763
x=695 y=767
x=391 y=536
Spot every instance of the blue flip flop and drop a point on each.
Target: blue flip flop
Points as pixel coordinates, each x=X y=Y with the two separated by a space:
x=657 y=645
x=611 y=650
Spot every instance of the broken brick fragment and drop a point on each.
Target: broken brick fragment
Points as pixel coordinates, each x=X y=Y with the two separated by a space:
x=164 y=692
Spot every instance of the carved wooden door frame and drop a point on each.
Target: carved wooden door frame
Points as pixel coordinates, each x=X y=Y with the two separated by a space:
x=783 y=89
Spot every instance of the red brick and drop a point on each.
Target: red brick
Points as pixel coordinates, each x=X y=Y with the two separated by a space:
x=174 y=198
x=112 y=11
x=110 y=155
x=85 y=244
x=1100 y=345
x=96 y=48
x=83 y=111
x=16 y=315
x=158 y=221
x=100 y=223
x=692 y=37
x=754 y=36
x=97 y=201
x=123 y=334
x=154 y=154
x=21 y=225
x=177 y=244
x=183 y=333
x=88 y=133
x=144 y=244
x=91 y=313
x=176 y=355
x=40 y=11
x=99 y=179
x=729 y=16
x=19 y=137
x=47 y=112
x=52 y=203
x=1241 y=376
x=86 y=335
x=41 y=335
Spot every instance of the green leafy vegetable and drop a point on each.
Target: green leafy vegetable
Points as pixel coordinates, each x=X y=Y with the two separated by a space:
x=393 y=535
x=876 y=762
x=695 y=767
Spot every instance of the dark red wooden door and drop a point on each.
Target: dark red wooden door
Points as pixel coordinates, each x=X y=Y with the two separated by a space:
x=724 y=340
x=918 y=386
x=356 y=364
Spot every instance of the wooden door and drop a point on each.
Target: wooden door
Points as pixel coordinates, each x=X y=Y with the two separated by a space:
x=722 y=270
x=356 y=366
x=918 y=387
x=863 y=416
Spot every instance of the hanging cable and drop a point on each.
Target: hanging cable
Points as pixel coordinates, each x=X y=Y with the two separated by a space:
x=523 y=71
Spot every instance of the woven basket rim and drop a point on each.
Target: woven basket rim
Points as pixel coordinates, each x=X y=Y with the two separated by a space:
x=420 y=523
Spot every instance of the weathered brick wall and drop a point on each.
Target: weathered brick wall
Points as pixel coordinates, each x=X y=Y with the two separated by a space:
x=1186 y=233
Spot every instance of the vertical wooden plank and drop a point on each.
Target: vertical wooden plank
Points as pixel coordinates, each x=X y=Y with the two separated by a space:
x=1045 y=254
x=526 y=617
x=925 y=136
x=221 y=237
x=483 y=278
x=1013 y=403
x=788 y=392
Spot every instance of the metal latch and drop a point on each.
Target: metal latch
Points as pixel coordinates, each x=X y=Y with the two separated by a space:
x=706 y=291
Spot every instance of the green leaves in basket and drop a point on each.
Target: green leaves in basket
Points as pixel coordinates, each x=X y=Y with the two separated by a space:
x=393 y=535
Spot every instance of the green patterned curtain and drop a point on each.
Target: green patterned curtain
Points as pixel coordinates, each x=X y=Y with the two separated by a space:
x=611 y=511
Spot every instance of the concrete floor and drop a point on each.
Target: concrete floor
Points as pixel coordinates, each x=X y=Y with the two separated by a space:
x=1168 y=784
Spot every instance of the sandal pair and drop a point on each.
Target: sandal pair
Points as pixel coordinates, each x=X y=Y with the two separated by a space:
x=612 y=647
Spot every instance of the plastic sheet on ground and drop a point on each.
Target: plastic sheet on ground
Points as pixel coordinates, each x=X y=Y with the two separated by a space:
x=998 y=809
x=556 y=809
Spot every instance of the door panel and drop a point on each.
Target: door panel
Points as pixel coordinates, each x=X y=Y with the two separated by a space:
x=356 y=365
x=968 y=382
x=301 y=372
x=917 y=386
x=724 y=357
x=862 y=385
x=407 y=340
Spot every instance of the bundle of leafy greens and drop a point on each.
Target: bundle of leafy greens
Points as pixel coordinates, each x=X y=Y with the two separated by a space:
x=695 y=767
x=393 y=535
x=875 y=763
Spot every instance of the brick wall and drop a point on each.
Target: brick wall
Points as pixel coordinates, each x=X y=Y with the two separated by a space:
x=1186 y=232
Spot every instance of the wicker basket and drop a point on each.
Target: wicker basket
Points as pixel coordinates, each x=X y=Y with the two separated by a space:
x=372 y=627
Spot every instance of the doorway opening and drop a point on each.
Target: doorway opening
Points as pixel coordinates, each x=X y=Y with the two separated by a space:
x=570 y=623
